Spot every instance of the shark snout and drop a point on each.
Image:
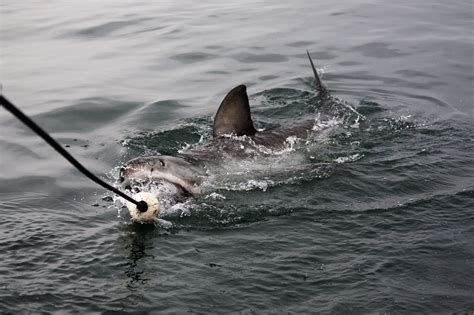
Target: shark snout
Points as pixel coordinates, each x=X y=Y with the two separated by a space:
x=121 y=175
x=134 y=171
x=124 y=180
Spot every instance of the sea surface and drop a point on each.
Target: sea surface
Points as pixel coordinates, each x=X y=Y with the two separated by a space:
x=375 y=215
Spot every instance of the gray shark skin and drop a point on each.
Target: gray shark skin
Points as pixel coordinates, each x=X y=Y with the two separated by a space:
x=234 y=137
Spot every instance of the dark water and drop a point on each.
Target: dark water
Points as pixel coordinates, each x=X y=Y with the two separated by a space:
x=375 y=217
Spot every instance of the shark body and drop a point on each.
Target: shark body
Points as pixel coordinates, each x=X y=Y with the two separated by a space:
x=234 y=137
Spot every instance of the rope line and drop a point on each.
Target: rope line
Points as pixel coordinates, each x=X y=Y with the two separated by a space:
x=142 y=206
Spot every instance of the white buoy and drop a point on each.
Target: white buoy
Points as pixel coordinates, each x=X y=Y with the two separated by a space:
x=153 y=207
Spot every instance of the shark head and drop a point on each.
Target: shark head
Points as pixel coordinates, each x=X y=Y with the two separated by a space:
x=175 y=170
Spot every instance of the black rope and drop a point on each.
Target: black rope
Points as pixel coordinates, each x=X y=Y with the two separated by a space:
x=142 y=206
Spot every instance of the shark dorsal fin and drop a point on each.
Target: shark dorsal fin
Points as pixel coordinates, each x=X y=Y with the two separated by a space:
x=233 y=115
x=320 y=88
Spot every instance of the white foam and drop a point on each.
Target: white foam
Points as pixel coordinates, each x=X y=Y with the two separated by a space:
x=350 y=158
x=215 y=196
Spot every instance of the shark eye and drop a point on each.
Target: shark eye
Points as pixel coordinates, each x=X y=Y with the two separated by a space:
x=162 y=163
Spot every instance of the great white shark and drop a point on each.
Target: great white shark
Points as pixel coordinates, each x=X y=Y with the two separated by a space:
x=234 y=137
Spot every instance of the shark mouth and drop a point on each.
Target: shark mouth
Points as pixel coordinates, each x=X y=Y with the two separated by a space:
x=184 y=188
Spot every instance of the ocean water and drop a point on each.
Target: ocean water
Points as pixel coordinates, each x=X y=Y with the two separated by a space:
x=374 y=215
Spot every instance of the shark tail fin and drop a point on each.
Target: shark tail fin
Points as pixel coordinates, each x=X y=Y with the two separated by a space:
x=320 y=88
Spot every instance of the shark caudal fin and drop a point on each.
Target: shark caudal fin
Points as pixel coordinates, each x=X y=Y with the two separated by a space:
x=320 y=88
x=233 y=115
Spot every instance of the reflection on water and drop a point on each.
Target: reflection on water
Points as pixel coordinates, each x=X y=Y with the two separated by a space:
x=138 y=237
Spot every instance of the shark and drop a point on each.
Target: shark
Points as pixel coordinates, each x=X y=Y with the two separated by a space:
x=234 y=138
